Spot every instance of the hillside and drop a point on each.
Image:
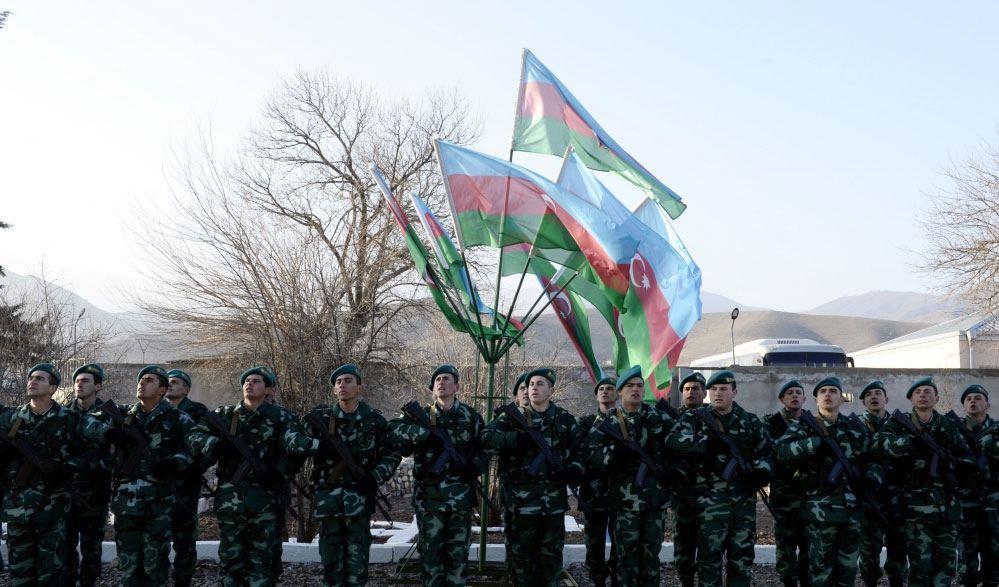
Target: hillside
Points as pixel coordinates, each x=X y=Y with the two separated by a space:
x=906 y=306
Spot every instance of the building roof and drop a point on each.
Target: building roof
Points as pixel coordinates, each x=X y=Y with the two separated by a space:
x=974 y=323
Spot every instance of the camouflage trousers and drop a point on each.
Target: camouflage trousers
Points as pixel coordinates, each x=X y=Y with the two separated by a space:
x=36 y=553
x=790 y=540
x=85 y=526
x=992 y=580
x=344 y=547
x=726 y=530
x=976 y=539
x=931 y=542
x=598 y=566
x=873 y=537
x=685 y=540
x=638 y=538
x=277 y=565
x=832 y=552
x=246 y=546
x=143 y=543
x=535 y=544
x=443 y=545
x=184 y=532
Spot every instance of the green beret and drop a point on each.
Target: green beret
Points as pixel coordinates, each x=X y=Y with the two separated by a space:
x=443 y=369
x=789 y=385
x=93 y=369
x=270 y=380
x=48 y=368
x=876 y=384
x=920 y=383
x=154 y=370
x=545 y=372
x=827 y=382
x=182 y=375
x=521 y=379
x=605 y=381
x=722 y=377
x=975 y=388
x=695 y=376
x=631 y=373
x=348 y=369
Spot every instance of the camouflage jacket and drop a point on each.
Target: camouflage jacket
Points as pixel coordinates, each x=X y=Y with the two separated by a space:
x=801 y=449
x=786 y=485
x=290 y=464
x=450 y=490
x=900 y=446
x=541 y=494
x=971 y=493
x=648 y=427
x=93 y=481
x=988 y=444
x=190 y=479
x=593 y=489
x=338 y=493
x=30 y=496
x=691 y=437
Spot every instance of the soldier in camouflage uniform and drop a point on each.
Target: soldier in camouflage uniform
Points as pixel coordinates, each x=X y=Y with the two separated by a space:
x=443 y=502
x=187 y=486
x=989 y=446
x=685 y=497
x=37 y=503
x=520 y=391
x=593 y=491
x=88 y=514
x=872 y=536
x=832 y=505
x=143 y=496
x=727 y=515
x=787 y=494
x=519 y=395
x=931 y=510
x=247 y=510
x=639 y=505
x=974 y=563
x=344 y=503
x=535 y=530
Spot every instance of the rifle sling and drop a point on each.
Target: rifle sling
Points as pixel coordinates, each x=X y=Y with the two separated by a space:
x=26 y=468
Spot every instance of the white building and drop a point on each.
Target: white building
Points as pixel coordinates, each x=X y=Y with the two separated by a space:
x=971 y=342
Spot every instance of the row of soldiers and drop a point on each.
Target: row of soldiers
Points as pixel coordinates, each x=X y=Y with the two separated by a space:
x=833 y=480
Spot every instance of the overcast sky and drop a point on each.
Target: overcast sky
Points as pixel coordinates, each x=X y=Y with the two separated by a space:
x=803 y=137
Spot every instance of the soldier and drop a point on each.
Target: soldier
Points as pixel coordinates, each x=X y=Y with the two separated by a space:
x=685 y=497
x=928 y=488
x=989 y=446
x=535 y=530
x=345 y=501
x=151 y=448
x=88 y=513
x=520 y=391
x=873 y=537
x=443 y=500
x=974 y=563
x=520 y=399
x=787 y=494
x=636 y=493
x=727 y=516
x=37 y=493
x=187 y=486
x=593 y=491
x=831 y=512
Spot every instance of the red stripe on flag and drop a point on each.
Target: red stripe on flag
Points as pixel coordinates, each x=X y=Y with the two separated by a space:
x=542 y=100
x=662 y=338
x=487 y=194
x=563 y=310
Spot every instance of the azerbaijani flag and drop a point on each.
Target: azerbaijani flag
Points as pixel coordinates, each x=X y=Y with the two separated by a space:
x=549 y=119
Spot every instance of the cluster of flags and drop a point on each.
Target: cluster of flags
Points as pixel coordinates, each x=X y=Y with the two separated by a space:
x=584 y=246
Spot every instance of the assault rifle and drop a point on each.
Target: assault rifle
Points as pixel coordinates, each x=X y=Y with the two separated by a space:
x=647 y=462
x=135 y=436
x=664 y=406
x=854 y=480
x=35 y=460
x=250 y=462
x=450 y=454
x=939 y=457
x=778 y=422
x=737 y=464
x=380 y=499
x=545 y=452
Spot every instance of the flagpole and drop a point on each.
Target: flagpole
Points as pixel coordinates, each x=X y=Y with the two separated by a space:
x=450 y=301
x=528 y=324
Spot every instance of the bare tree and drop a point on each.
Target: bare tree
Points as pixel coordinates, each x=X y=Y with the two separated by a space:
x=962 y=230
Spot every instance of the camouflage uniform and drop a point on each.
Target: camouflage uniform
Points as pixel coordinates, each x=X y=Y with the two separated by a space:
x=142 y=500
x=593 y=491
x=974 y=528
x=831 y=512
x=443 y=503
x=247 y=513
x=639 y=512
x=872 y=536
x=343 y=505
x=535 y=530
x=787 y=500
x=184 y=519
x=288 y=467
x=685 y=520
x=930 y=508
x=989 y=446
x=726 y=516
x=36 y=506
x=88 y=513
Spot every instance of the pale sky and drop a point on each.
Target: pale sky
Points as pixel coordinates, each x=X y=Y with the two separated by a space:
x=803 y=137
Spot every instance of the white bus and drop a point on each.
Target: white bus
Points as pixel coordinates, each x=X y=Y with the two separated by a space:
x=779 y=352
